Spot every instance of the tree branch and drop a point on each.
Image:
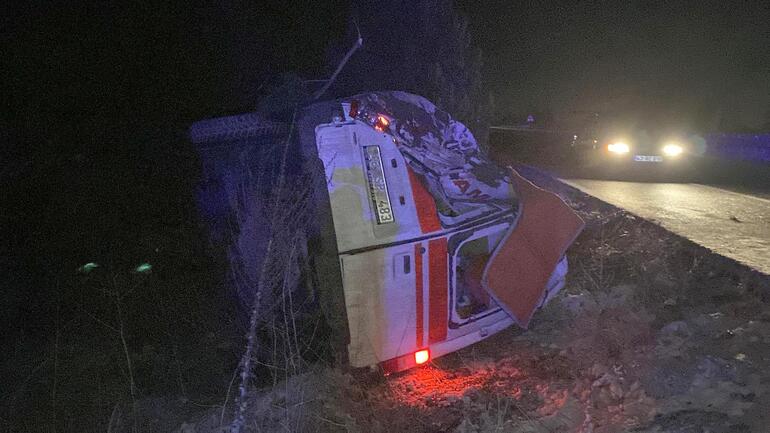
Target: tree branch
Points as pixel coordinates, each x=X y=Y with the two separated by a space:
x=358 y=44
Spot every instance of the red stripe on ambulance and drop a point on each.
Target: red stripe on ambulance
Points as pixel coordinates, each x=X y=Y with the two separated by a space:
x=438 y=281
x=418 y=293
x=424 y=203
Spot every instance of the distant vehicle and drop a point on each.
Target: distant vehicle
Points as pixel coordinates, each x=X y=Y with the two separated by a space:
x=642 y=150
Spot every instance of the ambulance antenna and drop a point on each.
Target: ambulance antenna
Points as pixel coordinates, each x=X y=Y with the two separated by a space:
x=359 y=42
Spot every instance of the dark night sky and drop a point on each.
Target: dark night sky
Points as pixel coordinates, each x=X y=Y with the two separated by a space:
x=691 y=57
x=701 y=58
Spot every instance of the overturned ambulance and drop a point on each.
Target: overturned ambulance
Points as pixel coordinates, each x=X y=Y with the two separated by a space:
x=425 y=244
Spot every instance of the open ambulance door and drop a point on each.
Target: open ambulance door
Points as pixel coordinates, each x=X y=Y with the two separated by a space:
x=523 y=265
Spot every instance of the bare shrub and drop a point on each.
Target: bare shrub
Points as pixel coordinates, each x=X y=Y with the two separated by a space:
x=270 y=200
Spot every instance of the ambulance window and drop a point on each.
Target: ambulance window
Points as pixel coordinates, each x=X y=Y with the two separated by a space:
x=471 y=259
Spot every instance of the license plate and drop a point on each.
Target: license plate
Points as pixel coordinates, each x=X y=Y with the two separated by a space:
x=648 y=158
x=378 y=186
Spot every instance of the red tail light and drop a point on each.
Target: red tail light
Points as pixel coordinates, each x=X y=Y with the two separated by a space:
x=405 y=362
x=421 y=356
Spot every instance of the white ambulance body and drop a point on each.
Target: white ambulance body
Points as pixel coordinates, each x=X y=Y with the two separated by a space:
x=404 y=297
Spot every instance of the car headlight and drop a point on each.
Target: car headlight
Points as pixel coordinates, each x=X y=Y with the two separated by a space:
x=673 y=149
x=618 y=147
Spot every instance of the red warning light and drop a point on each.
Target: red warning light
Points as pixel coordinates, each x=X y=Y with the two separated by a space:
x=381 y=123
x=353 y=112
x=421 y=356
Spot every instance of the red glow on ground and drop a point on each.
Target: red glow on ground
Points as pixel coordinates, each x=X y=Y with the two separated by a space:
x=417 y=386
x=519 y=378
x=421 y=383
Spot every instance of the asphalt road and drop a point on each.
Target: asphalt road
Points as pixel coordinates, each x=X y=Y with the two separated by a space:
x=732 y=224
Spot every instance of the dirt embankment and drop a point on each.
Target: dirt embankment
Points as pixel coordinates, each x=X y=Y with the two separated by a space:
x=651 y=334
